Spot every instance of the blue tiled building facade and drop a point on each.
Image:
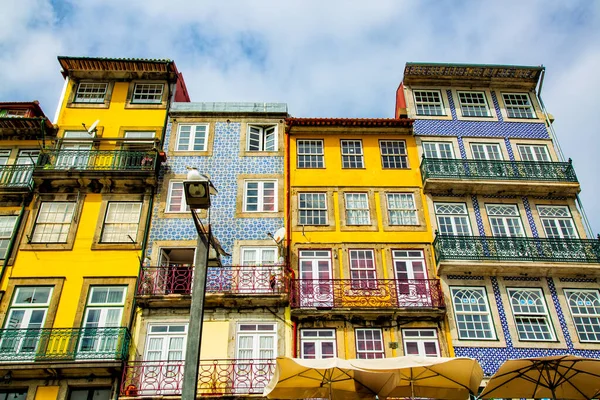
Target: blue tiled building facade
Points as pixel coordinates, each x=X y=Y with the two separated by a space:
x=518 y=272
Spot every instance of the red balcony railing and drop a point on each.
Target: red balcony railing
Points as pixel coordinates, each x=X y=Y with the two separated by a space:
x=215 y=377
x=164 y=280
x=372 y=293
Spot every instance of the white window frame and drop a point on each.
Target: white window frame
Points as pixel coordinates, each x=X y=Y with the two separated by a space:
x=485 y=149
x=420 y=337
x=309 y=159
x=358 y=260
x=586 y=318
x=194 y=131
x=316 y=197
x=370 y=354
x=88 y=92
x=260 y=258
x=423 y=107
x=147 y=94
x=402 y=209
x=470 y=106
x=358 y=211
x=502 y=223
x=437 y=148
x=521 y=316
x=318 y=337
x=261 y=204
x=484 y=317
x=559 y=222
x=534 y=153
x=181 y=203
x=518 y=111
x=130 y=236
x=395 y=160
x=42 y=221
x=170 y=330
x=352 y=154
x=267 y=134
x=8 y=226
x=453 y=218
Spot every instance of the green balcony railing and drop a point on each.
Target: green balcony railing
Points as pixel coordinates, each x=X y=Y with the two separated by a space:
x=484 y=248
x=15 y=177
x=98 y=160
x=66 y=344
x=497 y=170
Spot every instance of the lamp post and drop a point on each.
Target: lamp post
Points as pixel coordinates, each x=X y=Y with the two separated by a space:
x=197 y=195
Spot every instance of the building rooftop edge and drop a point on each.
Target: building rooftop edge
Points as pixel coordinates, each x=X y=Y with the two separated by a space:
x=228 y=107
x=363 y=122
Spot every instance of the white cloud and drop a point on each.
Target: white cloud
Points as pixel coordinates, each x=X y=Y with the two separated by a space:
x=324 y=58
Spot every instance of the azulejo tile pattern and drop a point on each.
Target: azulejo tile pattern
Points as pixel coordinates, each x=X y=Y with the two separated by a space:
x=478 y=215
x=509 y=149
x=501 y=312
x=530 y=219
x=461 y=147
x=467 y=277
x=559 y=312
x=223 y=167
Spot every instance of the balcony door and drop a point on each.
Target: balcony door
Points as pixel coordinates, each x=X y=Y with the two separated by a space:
x=411 y=278
x=164 y=359
x=25 y=319
x=101 y=334
x=316 y=284
x=257 y=274
x=176 y=271
x=77 y=153
x=25 y=157
x=256 y=349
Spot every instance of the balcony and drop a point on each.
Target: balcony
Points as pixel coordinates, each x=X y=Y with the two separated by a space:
x=96 y=168
x=515 y=254
x=16 y=178
x=506 y=177
x=368 y=295
x=215 y=377
x=228 y=285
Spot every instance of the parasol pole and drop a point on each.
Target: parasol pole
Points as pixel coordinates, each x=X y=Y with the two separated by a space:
x=412 y=385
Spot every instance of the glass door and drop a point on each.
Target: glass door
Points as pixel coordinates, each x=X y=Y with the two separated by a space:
x=256 y=350
x=316 y=278
x=164 y=359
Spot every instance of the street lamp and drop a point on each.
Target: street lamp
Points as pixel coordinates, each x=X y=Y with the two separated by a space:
x=197 y=189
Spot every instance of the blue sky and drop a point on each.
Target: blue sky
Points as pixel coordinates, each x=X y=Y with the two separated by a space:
x=323 y=58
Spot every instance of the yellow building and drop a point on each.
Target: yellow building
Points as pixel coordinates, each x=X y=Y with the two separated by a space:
x=359 y=241
x=68 y=296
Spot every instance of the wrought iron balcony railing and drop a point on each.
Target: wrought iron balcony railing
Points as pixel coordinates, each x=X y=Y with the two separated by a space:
x=164 y=280
x=371 y=293
x=516 y=249
x=16 y=177
x=215 y=377
x=64 y=344
x=497 y=170
x=98 y=160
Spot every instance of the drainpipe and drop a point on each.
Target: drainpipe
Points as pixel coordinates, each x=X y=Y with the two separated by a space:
x=13 y=239
x=294 y=339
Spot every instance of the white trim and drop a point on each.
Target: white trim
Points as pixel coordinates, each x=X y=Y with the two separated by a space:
x=61 y=100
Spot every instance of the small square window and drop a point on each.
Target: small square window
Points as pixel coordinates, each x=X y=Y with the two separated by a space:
x=310 y=154
x=357 y=209
x=89 y=92
x=176 y=198
x=352 y=154
x=402 y=209
x=473 y=104
x=121 y=222
x=428 y=102
x=518 y=105
x=53 y=222
x=191 y=137
x=393 y=153
x=534 y=153
x=317 y=343
x=7 y=228
x=262 y=138
x=312 y=209
x=472 y=313
x=369 y=343
x=438 y=150
x=530 y=313
x=421 y=342
x=148 y=93
x=585 y=310
x=260 y=196
x=362 y=269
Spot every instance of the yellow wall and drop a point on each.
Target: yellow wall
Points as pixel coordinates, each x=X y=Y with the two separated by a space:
x=46 y=392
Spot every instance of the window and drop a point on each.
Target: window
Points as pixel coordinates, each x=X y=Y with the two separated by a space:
x=505 y=220
x=357 y=209
x=121 y=222
x=393 y=153
x=585 y=309
x=410 y=272
x=260 y=196
x=104 y=309
x=316 y=285
x=557 y=222
x=473 y=104
x=53 y=222
x=438 y=150
x=259 y=255
x=362 y=269
x=191 y=137
x=369 y=343
x=166 y=342
x=518 y=105
x=402 y=209
x=75 y=154
x=531 y=152
x=317 y=343
x=4 y=156
x=352 y=154
x=139 y=145
x=88 y=92
x=421 y=342
x=256 y=346
x=94 y=393
x=148 y=93
x=312 y=209
x=15 y=394
x=428 y=102
x=472 y=312
x=262 y=138
x=176 y=198
x=310 y=154
x=483 y=151
x=452 y=219
x=7 y=228
x=530 y=313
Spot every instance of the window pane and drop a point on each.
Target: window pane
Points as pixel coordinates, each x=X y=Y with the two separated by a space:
x=121 y=222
